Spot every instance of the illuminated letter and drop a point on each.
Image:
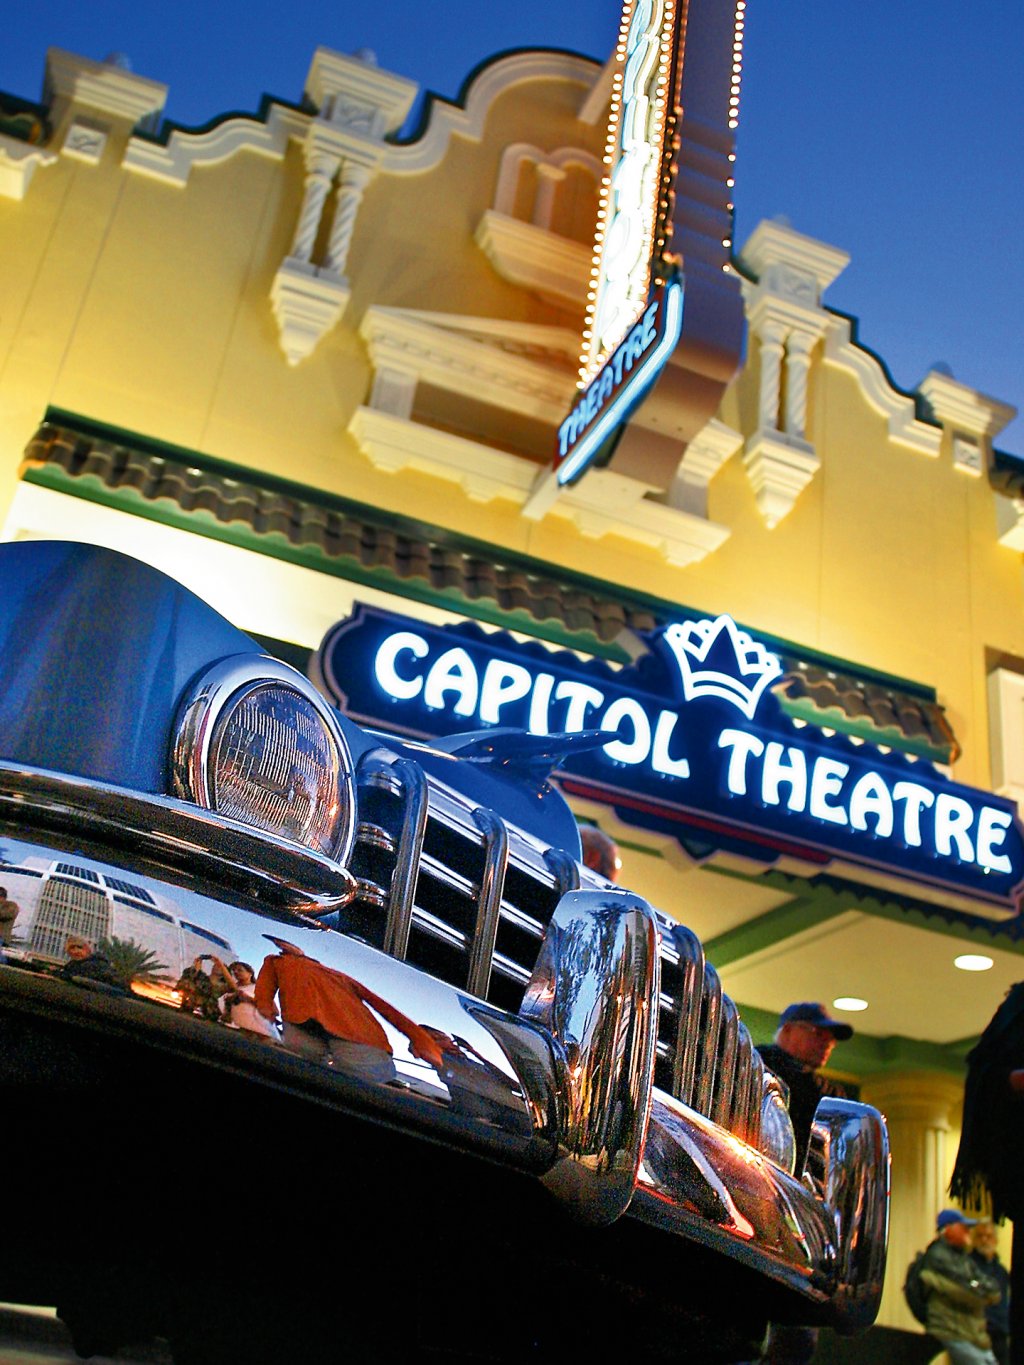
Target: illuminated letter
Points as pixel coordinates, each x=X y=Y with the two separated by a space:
x=539 y=702
x=953 y=820
x=870 y=797
x=651 y=326
x=918 y=798
x=992 y=827
x=453 y=672
x=660 y=760
x=503 y=682
x=775 y=772
x=580 y=697
x=827 y=780
x=402 y=689
x=743 y=746
x=627 y=751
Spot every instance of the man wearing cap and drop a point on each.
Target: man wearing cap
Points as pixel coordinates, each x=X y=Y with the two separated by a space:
x=958 y=1292
x=803 y=1044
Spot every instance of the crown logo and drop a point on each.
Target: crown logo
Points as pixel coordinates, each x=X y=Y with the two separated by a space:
x=717 y=659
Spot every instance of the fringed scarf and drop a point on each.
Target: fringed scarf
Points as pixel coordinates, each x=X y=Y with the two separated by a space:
x=991 y=1156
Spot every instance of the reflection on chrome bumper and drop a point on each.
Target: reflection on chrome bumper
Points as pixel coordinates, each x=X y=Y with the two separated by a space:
x=562 y=1091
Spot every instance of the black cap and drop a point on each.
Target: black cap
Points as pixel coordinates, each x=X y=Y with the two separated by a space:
x=809 y=1012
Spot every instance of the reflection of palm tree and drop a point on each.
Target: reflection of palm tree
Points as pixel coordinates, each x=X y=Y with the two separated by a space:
x=130 y=960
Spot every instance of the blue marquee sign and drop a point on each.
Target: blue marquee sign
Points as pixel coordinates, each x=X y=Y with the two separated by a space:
x=696 y=738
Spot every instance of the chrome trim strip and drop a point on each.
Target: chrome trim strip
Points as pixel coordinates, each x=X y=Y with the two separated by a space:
x=492 y=885
x=199 y=843
x=594 y=992
x=708 y=1040
x=691 y=965
x=725 y=1068
x=564 y=870
x=412 y=788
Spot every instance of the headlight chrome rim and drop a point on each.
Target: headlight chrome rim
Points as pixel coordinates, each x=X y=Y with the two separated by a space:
x=778 y=1140
x=213 y=698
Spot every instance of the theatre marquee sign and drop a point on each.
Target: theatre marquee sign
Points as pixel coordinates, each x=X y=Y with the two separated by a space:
x=696 y=743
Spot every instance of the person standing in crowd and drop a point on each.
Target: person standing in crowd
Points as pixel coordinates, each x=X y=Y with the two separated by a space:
x=958 y=1292
x=9 y=912
x=86 y=964
x=997 y=1315
x=803 y=1044
x=988 y=1162
x=329 y=1017
x=600 y=852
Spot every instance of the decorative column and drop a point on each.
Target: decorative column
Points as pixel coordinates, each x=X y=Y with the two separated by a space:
x=321 y=168
x=784 y=310
x=360 y=106
x=773 y=347
x=354 y=180
x=923 y=1112
x=798 y=369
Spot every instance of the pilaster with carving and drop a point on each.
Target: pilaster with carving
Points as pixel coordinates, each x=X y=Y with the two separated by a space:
x=359 y=106
x=786 y=315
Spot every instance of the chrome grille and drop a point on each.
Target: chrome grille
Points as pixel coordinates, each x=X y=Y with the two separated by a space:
x=453 y=889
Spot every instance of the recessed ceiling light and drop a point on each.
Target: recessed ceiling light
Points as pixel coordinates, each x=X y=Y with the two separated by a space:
x=852 y=1003
x=972 y=962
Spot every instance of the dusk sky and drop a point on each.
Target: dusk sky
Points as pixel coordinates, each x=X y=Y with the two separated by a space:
x=891 y=128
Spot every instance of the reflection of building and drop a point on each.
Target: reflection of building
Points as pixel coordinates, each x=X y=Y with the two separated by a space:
x=62 y=898
x=301 y=363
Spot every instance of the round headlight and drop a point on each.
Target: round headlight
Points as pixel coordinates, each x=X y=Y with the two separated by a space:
x=255 y=742
x=777 y=1138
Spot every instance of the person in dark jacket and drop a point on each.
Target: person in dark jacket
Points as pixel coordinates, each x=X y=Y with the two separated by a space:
x=997 y=1315
x=86 y=965
x=988 y=1163
x=803 y=1044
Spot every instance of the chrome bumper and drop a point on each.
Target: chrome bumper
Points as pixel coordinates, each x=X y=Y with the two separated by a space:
x=562 y=1091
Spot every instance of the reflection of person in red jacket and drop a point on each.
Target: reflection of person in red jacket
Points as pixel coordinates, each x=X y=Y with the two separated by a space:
x=326 y=1016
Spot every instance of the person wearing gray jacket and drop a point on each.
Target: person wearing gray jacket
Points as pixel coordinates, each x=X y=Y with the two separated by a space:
x=958 y=1292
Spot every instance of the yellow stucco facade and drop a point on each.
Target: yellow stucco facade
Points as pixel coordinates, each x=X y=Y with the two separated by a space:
x=180 y=289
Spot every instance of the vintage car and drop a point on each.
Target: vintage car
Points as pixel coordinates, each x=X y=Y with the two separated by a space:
x=316 y=1040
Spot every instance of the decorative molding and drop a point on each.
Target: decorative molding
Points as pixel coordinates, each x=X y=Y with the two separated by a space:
x=446 y=120
x=74 y=80
x=605 y=503
x=962 y=408
x=1006 y=732
x=353 y=92
x=707 y=452
x=18 y=163
x=484 y=474
x=552 y=165
x=968 y=455
x=307 y=302
x=1010 y=522
x=85 y=141
x=898 y=409
x=173 y=161
x=792 y=265
x=534 y=258
x=457 y=355
x=779 y=469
